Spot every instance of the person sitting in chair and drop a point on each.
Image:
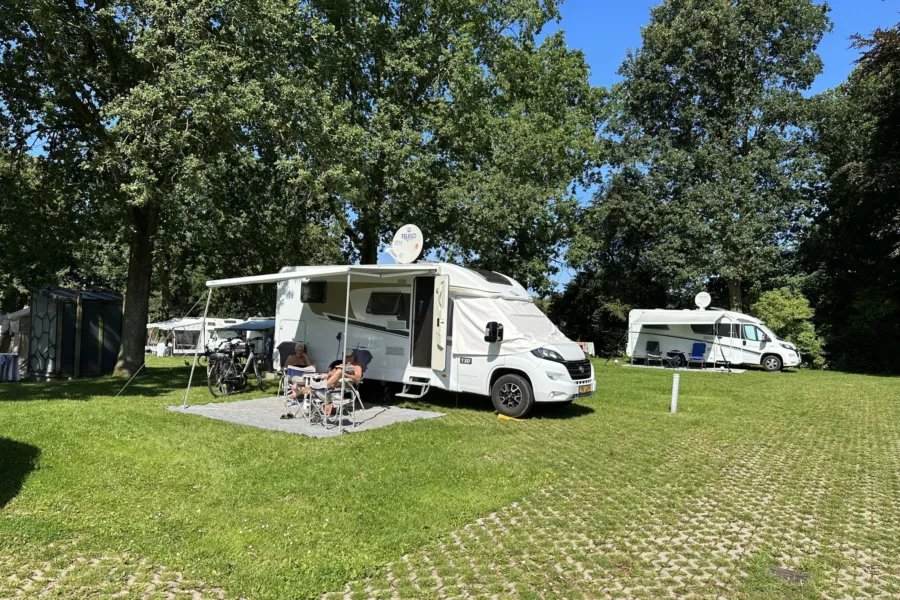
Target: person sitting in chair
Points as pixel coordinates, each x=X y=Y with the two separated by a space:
x=299 y=358
x=349 y=369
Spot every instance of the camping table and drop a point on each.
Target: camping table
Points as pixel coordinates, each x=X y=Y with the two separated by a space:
x=673 y=357
x=9 y=367
x=306 y=378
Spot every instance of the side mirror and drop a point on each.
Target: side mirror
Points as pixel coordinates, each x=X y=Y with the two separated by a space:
x=766 y=338
x=493 y=332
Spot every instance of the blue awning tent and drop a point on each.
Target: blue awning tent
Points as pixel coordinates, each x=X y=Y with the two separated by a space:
x=253 y=325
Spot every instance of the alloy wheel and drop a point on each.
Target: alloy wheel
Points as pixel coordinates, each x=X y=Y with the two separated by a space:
x=510 y=395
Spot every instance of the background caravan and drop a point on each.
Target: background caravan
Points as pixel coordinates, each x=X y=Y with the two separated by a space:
x=431 y=325
x=730 y=338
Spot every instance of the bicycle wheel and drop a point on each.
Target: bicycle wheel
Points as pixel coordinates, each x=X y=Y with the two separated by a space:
x=216 y=380
x=259 y=377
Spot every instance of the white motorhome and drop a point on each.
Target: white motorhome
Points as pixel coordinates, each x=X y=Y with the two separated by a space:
x=431 y=325
x=731 y=338
x=180 y=337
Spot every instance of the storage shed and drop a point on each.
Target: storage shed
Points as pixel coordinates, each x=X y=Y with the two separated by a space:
x=74 y=333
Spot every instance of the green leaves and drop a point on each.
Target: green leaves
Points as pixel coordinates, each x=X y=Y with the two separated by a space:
x=711 y=169
x=456 y=119
x=787 y=313
x=852 y=251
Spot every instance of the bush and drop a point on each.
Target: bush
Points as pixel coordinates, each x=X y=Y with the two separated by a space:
x=788 y=314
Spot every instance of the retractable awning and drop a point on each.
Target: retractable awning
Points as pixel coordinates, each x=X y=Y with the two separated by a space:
x=186 y=324
x=288 y=273
x=327 y=271
x=694 y=317
x=254 y=325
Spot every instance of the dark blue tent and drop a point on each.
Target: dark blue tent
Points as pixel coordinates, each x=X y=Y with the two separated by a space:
x=74 y=333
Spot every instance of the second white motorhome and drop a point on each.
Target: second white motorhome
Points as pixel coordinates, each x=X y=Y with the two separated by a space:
x=729 y=338
x=431 y=325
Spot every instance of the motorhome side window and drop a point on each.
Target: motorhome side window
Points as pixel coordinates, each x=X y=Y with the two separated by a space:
x=385 y=303
x=728 y=330
x=702 y=329
x=752 y=333
x=312 y=292
x=658 y=327
x=450 y=318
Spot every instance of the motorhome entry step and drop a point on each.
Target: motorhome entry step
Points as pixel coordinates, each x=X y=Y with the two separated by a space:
x=409 y=390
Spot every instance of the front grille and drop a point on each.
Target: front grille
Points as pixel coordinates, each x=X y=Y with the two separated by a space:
x=579 y=369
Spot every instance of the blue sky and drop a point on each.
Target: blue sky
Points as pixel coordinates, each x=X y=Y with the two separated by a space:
x=606 y=29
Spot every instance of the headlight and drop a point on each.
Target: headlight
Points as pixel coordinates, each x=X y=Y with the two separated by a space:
x=548 y=354
x=788 y=346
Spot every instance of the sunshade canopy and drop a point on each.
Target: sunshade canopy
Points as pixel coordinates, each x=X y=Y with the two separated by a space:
x=254 y=325
x=184 y=324
x=690 y=317
x=327 y=271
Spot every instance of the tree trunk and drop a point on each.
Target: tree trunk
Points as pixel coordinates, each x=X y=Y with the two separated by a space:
x=137 y=289
x=165 y=291
x=368 y=247
x=735 y=296
x=369 y=225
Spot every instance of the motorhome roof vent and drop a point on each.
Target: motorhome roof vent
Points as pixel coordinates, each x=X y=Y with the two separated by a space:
x=493 y=276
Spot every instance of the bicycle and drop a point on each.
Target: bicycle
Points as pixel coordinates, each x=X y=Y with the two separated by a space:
x=227 y=374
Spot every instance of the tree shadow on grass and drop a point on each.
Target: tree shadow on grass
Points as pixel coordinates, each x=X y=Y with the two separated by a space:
x=151 y=381
x=17 y=460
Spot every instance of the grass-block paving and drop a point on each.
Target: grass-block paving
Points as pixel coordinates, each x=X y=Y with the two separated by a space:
x=610 y=498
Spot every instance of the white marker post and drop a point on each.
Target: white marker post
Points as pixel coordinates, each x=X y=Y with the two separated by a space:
x=674 y=407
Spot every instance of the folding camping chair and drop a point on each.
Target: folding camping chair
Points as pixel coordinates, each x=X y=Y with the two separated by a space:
x=652 y=352
x=698 y=355
x=351 y=396
x=291 y=375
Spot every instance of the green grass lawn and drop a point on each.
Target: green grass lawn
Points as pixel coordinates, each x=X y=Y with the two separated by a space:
x=610 y=497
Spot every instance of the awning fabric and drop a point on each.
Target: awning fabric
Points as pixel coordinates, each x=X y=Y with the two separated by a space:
x=326 y=271
x=183 y=324
x=254 y=325
x=693 y=317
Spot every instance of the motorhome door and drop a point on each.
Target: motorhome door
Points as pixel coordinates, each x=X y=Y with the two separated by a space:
x=439 y=335
x=753 y=342
x=423 y=321
x=727 y=348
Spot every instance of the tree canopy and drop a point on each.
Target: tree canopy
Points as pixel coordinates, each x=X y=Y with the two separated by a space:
x=203 y=138
x=147 y=146
x=710 y=165
x=852 y=253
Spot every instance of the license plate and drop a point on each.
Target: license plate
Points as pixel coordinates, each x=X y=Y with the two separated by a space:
x=584 y=389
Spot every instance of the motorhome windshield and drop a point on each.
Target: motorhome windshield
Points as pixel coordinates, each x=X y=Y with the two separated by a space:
x=526 y=316
x=768 y=331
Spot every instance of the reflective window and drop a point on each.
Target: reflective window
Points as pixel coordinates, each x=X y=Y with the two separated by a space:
x=385 y=303
x=313 y=292
x=729 y=330
x=753 y=333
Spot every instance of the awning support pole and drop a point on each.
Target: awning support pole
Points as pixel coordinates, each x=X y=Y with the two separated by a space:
x=344 y=354
x=196 y=350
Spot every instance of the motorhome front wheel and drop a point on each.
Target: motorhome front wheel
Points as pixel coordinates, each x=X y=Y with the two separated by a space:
x=771 y=363
x=512 y=396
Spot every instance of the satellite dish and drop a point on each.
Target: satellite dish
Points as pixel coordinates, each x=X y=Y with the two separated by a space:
x=407 y=244
x=702 y=300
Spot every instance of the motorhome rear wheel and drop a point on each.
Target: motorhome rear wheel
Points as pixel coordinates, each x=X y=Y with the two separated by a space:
x=512 y=395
